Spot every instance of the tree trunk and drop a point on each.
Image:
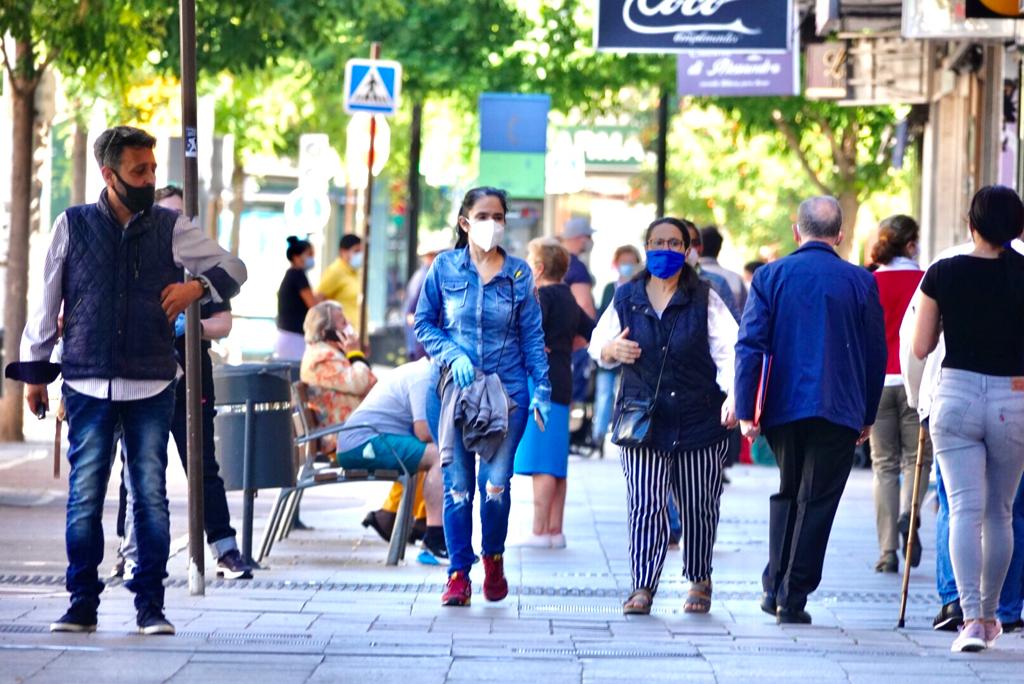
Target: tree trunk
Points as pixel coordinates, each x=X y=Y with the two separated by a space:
x=16 y=285
x=412 y=204
x=237 y=204
x=79 y=162
x=850 y=204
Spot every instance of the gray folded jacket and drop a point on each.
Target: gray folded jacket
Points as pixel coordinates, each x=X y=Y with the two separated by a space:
x=481 y=410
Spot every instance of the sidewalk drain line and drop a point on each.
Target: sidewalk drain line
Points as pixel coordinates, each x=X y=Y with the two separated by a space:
x=604 y=653
x=24 y=629
x=875 y=597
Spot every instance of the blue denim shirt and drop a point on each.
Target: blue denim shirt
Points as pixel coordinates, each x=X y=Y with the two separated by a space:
x=822 y=321
x=497 y=325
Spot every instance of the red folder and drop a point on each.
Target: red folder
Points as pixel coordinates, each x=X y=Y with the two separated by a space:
x=762 y=388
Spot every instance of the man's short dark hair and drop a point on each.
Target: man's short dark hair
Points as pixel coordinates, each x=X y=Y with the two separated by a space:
x=711 y=238
x=349 y=240
x=169 y=191
x=820 y=218
x=111 y=143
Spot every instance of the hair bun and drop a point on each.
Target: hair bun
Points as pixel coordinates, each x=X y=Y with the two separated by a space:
x=292 y=239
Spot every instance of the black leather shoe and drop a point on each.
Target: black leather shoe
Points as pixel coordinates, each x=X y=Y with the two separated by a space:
x=1014 y=626
x=887 y=563
x=785 y=616
x=950 y=618
x=915 y=550
x=768 y=603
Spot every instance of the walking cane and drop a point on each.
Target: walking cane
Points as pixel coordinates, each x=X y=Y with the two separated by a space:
x=56 y=441
x=915 y=510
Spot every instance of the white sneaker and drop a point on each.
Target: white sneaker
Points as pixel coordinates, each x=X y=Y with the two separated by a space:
x=970 y=640
x=557 y=541
x=536 y=541
x=993 y=630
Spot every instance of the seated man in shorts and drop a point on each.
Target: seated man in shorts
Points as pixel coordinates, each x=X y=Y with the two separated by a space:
x=396 y=410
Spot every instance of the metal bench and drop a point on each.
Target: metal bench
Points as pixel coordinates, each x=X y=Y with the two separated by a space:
x=315 y=469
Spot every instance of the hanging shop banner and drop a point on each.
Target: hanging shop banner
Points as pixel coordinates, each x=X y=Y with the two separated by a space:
x=694 y=25
x=949 y=19
x=826 y=71
x=739 y=74
x=994 y=9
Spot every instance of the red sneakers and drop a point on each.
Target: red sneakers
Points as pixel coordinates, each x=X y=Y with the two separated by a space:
x=495 y=584
x=458 y=591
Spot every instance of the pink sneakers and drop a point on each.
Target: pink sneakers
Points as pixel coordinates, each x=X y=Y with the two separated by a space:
x=971 y=639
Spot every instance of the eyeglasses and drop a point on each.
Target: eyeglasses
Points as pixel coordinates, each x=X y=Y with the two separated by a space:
x=673 y=244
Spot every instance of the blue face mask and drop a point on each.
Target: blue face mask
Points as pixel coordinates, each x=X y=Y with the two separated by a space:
x=310 y=263
x=665 y=263
x=627 y=270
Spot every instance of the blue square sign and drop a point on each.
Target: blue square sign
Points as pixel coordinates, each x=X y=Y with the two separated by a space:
x=372 y=86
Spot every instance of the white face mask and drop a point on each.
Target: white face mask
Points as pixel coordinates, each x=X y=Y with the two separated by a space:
x=692 y=257
x=357 y=260
x=486 y=234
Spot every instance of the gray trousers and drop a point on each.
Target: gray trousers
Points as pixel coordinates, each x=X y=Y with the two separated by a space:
x=977 y=424
x=894 y=454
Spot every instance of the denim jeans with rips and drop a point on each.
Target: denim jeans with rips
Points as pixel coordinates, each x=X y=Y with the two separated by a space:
x=493 y=480
x=93 y=425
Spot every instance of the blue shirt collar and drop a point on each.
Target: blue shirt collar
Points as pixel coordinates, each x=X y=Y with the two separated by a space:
x=508 y=270
x=819 y=246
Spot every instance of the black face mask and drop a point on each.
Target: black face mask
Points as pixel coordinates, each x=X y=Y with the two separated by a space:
x=135 y=199
x=331 y=336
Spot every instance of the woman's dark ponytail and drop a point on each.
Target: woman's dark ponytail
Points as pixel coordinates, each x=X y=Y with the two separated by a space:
x=895 y=234
x=471 y=198
x=297 y=246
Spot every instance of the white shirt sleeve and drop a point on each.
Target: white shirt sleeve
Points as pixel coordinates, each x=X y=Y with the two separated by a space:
x=40 y=335
x=606 y=330
x=198 y=253
x=723 y=331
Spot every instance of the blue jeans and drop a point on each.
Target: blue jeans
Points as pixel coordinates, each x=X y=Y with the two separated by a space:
x=92 y=428
x=604 y=401
x=494 y=475
x=945 y=582
x=1011 y=600
x=675 y=520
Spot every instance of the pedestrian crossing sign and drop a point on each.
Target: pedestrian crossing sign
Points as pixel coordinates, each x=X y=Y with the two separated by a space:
x=373 y=86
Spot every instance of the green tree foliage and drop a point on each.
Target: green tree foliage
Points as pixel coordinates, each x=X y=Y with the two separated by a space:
x=842 y=151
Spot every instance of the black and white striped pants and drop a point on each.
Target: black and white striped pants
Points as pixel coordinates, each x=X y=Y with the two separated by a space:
x=695 y=479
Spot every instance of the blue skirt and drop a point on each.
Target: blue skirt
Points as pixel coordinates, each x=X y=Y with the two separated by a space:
x=545 y=453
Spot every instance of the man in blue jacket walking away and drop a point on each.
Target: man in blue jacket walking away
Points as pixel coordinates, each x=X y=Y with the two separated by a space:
x=820 y=322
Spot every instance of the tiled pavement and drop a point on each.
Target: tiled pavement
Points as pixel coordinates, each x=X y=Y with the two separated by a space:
x=327 y=609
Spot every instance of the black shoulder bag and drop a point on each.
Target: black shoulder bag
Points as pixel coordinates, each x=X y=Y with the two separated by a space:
x=633 y=424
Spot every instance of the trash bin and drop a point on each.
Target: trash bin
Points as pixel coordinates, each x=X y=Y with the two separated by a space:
x=254 y=397
x=253 y=433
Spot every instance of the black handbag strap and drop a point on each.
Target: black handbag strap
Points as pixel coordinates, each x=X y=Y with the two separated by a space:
x=664 y=358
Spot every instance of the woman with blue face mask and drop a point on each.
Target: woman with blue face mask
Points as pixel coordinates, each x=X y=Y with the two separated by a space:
x=673 y=339
x=478 y=316
x=295 y=297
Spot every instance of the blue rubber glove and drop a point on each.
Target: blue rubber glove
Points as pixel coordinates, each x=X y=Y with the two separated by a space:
x=463 y=371
x=542 y=407
x=179 y=325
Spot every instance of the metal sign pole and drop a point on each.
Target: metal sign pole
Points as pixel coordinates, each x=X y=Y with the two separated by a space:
x=193 y=377
x=363 y=322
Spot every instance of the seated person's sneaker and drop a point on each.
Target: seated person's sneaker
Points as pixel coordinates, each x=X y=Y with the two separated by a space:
x=495 y=584
x=971 y=639
x=231 y=566
x=459 y=590
x=993 y=630
x=80 y=618
x=432 y=549
x=151 y=620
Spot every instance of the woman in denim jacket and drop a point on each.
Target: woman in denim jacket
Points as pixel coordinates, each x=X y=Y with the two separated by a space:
x=479 y=311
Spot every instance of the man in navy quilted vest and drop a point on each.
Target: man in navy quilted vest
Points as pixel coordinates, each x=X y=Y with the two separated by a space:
x=115 y=270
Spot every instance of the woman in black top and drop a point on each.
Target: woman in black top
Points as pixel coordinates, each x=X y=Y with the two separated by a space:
x=977 y=416
x=545 y=454
x=294 y=298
